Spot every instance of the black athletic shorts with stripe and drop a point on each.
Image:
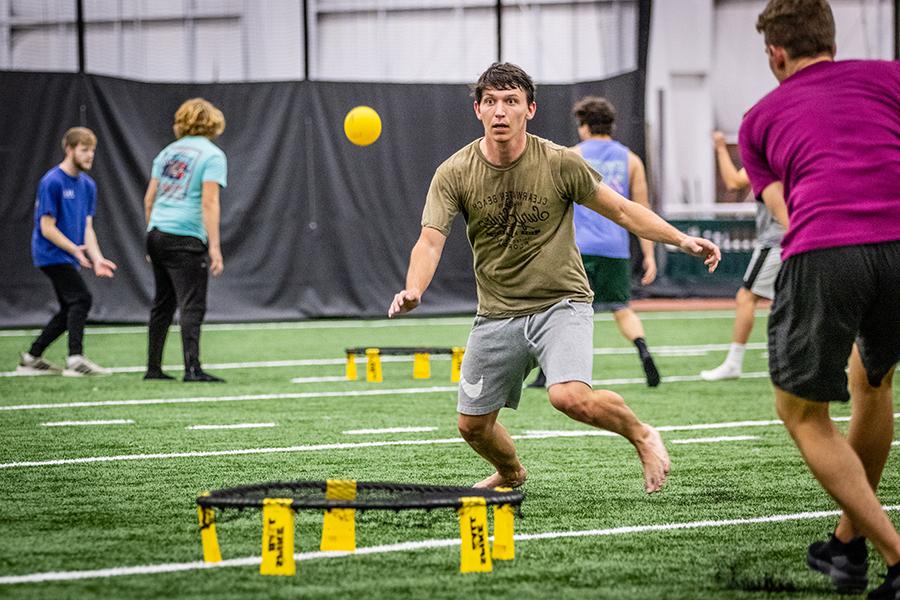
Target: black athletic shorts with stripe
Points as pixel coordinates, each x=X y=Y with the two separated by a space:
x=824 y=301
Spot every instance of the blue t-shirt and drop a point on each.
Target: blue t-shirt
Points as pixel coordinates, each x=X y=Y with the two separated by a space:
x=596 y=235
x=181 y=169
x=69 y=200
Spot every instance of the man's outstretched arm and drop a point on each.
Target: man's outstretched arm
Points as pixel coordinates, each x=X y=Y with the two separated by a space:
x=644 y=223
x=423 y=262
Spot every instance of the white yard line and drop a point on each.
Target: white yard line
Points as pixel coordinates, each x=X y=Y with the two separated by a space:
x=330 y=379
x=695 y=350
x=529 y=435
x=249 y=561
x=389 y=430
x=233 y=426
x=374 y=324
x=74 y=423
x=713 y=440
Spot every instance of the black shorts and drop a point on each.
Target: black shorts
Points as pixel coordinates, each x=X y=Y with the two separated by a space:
x=824 y=301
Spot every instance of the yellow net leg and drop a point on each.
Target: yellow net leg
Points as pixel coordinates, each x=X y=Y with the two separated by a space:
x=475 y=555
x=456 y=362
x=339 y=524
x=504 y=546
x=421 y=365
x=277 y=537
x=351 y=367
x=208 y=538
x=373 y=365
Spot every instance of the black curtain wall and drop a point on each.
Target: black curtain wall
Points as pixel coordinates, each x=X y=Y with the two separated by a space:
x=312 y=226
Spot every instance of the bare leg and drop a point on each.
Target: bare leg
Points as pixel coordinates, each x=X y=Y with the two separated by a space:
x=744 y=315
x=491 y=441
x=629 y=324
x=838 y=469
x=871 y=430
x=607 y=410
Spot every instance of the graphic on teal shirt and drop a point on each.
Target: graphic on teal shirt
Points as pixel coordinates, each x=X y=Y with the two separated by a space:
x=181 y=168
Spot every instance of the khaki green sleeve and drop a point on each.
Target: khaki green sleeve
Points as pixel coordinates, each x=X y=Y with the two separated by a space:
x=578 y=181
x=442 y=203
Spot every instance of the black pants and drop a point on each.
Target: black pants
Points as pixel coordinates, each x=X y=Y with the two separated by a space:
x=74 y=303
x=181 y=271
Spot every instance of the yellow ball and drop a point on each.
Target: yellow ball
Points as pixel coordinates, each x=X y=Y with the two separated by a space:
x=362 y=125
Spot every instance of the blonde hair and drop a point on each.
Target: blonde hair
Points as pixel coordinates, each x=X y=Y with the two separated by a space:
x=78 y=135
x=198 y=117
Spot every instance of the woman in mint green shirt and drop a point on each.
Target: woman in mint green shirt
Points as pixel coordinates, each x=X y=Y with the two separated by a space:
x=182 y=211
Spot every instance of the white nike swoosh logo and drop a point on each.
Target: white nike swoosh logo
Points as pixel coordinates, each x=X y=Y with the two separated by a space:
x=472 y=390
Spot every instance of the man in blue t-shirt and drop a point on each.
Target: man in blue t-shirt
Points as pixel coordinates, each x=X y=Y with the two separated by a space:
x=605 y=246
x=63 y=240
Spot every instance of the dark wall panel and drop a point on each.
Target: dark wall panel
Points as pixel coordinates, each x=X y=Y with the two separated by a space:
x=312 y=226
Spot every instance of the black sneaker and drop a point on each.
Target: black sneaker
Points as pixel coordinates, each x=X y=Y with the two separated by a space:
x=540 y=381
x=157 y=374
x=846 y=564
x=200 y=375
x=890 y=589
x=650 y=370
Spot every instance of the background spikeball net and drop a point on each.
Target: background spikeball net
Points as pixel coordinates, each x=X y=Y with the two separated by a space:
x=341 y=498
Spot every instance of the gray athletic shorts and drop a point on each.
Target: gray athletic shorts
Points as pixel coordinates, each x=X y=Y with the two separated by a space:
x=763 y=271
x=501 y=352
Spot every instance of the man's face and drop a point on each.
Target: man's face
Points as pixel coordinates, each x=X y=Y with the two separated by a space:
x=504 y=113
x=82 y=156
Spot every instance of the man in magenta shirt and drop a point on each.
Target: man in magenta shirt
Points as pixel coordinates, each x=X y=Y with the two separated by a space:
x=827 y=143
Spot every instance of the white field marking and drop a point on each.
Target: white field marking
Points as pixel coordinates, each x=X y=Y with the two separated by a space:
x=375 y=323
x=413 y=546
x=329 y=379
x=234 y=426
x=72 y=423
x=240 y=398
x=712 y=440
x=528 y=435
x=389 y=430
x=302 y=395
x=671 y=379
x=696 y=350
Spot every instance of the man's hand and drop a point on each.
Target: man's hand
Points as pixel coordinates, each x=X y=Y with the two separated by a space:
x=81 y=256
x=216 y=264
x=104 y=268
x=649 y=270
x=702 y=248
x=719 y=139
x=404 y=301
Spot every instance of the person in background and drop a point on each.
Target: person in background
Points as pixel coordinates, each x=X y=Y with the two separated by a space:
x=182 y=211
x=63 y=241
x=759 y=278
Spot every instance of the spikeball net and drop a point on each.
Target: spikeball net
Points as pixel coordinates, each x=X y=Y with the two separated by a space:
x=340 y=499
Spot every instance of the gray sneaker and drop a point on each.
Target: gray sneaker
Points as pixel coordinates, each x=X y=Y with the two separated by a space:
x=35 y=365
x=79 y=365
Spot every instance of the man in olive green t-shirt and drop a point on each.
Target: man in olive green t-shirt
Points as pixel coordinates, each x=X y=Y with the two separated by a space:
x=516 y=192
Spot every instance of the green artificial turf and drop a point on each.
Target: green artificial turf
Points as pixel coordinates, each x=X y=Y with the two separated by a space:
x=133 y=505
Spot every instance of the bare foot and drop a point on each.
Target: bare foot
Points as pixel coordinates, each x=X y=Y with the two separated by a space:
x=496 y=480
x=654 y=458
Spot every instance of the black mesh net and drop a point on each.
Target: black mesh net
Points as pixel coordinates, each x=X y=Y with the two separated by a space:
x=368 y=495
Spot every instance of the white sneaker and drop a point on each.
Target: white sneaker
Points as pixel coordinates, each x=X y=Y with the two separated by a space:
x=79 y=365
x=35 y=365
x=723 y=371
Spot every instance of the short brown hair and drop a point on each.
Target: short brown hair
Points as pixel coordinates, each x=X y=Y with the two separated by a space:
x=802 y=27
x=504 y=76
x=78 y=135
x=597 y=113
x=198 y=117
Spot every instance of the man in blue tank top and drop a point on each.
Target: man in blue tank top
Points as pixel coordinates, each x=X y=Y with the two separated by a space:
x=604 y=245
